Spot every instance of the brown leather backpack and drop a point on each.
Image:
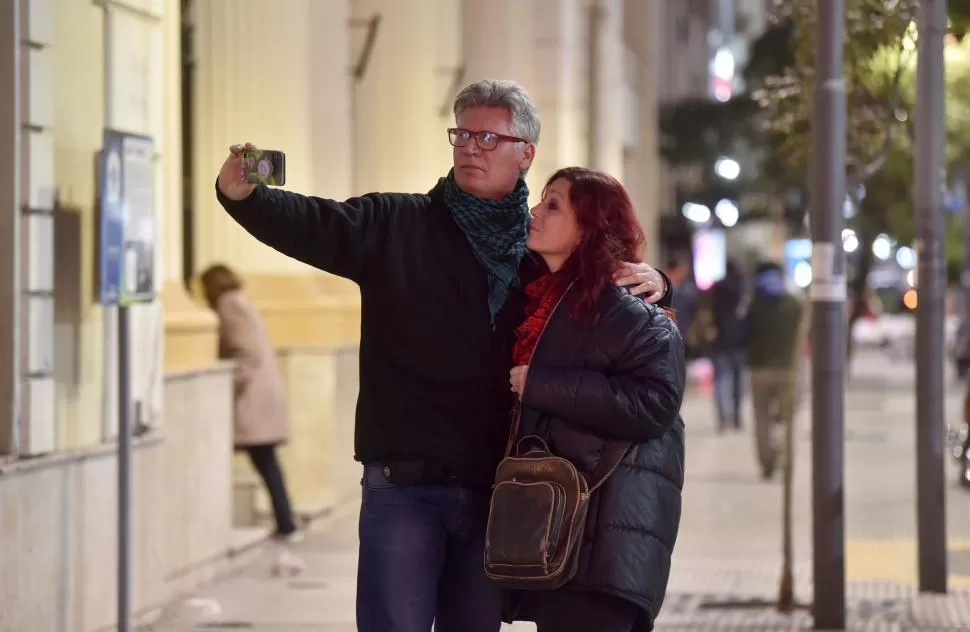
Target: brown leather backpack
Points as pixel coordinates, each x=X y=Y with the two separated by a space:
x=538 y=514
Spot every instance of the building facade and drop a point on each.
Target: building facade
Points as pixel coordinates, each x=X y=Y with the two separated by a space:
x=358 y=94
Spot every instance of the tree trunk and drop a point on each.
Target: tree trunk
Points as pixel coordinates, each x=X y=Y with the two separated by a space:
x=786 y=589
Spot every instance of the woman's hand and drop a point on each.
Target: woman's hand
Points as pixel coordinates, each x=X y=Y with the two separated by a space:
x=517 y=378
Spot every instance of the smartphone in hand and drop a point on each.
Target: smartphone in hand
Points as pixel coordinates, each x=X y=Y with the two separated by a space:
x=266 y=166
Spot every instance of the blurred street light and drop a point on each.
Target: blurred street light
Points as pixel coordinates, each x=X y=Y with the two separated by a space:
x=850 y=243
x=727 y=211
x=906 y=258
x=696 y=212
x=802 y=274
x=727 y=168
x=882 y=247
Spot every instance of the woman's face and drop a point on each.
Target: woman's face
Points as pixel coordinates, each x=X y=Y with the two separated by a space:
x=554 y=232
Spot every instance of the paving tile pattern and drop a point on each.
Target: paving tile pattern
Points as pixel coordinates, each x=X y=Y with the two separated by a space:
x=727 y=560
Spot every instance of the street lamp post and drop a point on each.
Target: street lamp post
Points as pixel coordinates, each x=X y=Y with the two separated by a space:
x=929 y=174
x=828 y=291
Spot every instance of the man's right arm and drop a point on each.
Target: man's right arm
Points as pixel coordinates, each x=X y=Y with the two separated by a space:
x=337 y=237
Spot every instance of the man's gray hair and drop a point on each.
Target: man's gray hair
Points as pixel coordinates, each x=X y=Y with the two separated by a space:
x=502 y=93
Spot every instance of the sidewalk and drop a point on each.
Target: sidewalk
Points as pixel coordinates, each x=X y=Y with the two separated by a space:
x=729 y=544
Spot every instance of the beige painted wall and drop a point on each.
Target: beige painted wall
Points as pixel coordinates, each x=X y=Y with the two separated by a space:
x=141 y=67
x=59 y=521
x=78 y=69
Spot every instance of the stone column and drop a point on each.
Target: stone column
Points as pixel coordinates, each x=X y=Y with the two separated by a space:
x=280 y=77
x=190 y=328
x=499 y=40
x=252 y=83
x=643 y=34
x=559 y=87
x=402 y=103
x=35 y=201
x=605 y=86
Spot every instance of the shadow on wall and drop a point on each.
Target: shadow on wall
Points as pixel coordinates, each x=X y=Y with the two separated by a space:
x=68 y=298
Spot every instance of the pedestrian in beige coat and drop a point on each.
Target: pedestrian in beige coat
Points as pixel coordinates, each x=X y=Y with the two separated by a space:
x=260 y=412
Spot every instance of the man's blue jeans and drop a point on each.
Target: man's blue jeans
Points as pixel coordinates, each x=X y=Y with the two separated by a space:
x=422 y=552
x=729 y=386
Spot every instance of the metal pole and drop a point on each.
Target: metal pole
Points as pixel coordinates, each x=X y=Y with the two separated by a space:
x=124 y=474
x=828 y=292
x=118 y=337
x=929 y=174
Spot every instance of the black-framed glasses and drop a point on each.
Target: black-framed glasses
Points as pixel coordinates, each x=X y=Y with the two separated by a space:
x=486 y=141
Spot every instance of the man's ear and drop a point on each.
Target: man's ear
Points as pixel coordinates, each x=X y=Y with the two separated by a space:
x=528 y=155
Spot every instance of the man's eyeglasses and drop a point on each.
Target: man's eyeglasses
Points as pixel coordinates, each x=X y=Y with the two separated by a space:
x=486 y=141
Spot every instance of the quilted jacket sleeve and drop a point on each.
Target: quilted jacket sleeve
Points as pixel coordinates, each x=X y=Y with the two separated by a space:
x=636 y=397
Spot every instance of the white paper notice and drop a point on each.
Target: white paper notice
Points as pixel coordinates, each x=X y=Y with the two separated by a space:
x=827 y=285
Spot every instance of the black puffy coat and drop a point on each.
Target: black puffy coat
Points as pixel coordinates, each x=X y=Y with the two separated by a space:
x=623 y=379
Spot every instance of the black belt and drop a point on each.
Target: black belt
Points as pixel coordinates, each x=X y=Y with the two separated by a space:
x=409 y=473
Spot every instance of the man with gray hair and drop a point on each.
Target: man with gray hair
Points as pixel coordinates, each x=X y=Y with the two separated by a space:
x=441 y=277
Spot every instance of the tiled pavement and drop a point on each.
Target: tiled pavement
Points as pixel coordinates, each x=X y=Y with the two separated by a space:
x=727 y=558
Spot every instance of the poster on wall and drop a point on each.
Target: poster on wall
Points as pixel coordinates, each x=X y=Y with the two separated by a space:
x=127 y=231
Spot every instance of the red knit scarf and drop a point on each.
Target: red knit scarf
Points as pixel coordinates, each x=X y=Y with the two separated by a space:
x=542 y=296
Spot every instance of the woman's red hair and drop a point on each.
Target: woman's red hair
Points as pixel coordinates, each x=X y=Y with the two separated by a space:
x=611 y=234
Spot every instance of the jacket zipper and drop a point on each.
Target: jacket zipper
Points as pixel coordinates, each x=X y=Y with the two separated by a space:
x=526 y=386
x=545 y=325
x=516 y=423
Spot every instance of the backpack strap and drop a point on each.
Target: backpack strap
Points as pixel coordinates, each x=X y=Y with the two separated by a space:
x=613 y=455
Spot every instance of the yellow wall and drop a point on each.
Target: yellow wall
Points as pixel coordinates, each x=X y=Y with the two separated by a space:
x=78 y=121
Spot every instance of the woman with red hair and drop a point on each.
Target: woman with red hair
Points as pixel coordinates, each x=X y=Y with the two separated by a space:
x=594 y=367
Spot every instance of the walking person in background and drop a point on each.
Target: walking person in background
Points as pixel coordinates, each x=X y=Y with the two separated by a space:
x=730 y=324
x=686 y=298
x=775 y=320
x=260 y=419
x=595 y=366
x=440 y=277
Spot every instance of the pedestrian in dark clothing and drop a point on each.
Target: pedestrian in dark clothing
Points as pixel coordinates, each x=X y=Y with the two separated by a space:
x=730 y=324
x=441 y=279
x=596 y=365
x=775 y=319
x=686 y=300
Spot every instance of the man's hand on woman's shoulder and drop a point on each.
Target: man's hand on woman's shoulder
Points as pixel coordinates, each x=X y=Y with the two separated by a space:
x=642 y=280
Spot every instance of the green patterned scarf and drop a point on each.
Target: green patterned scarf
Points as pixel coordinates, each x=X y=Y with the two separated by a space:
x=496 y=231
